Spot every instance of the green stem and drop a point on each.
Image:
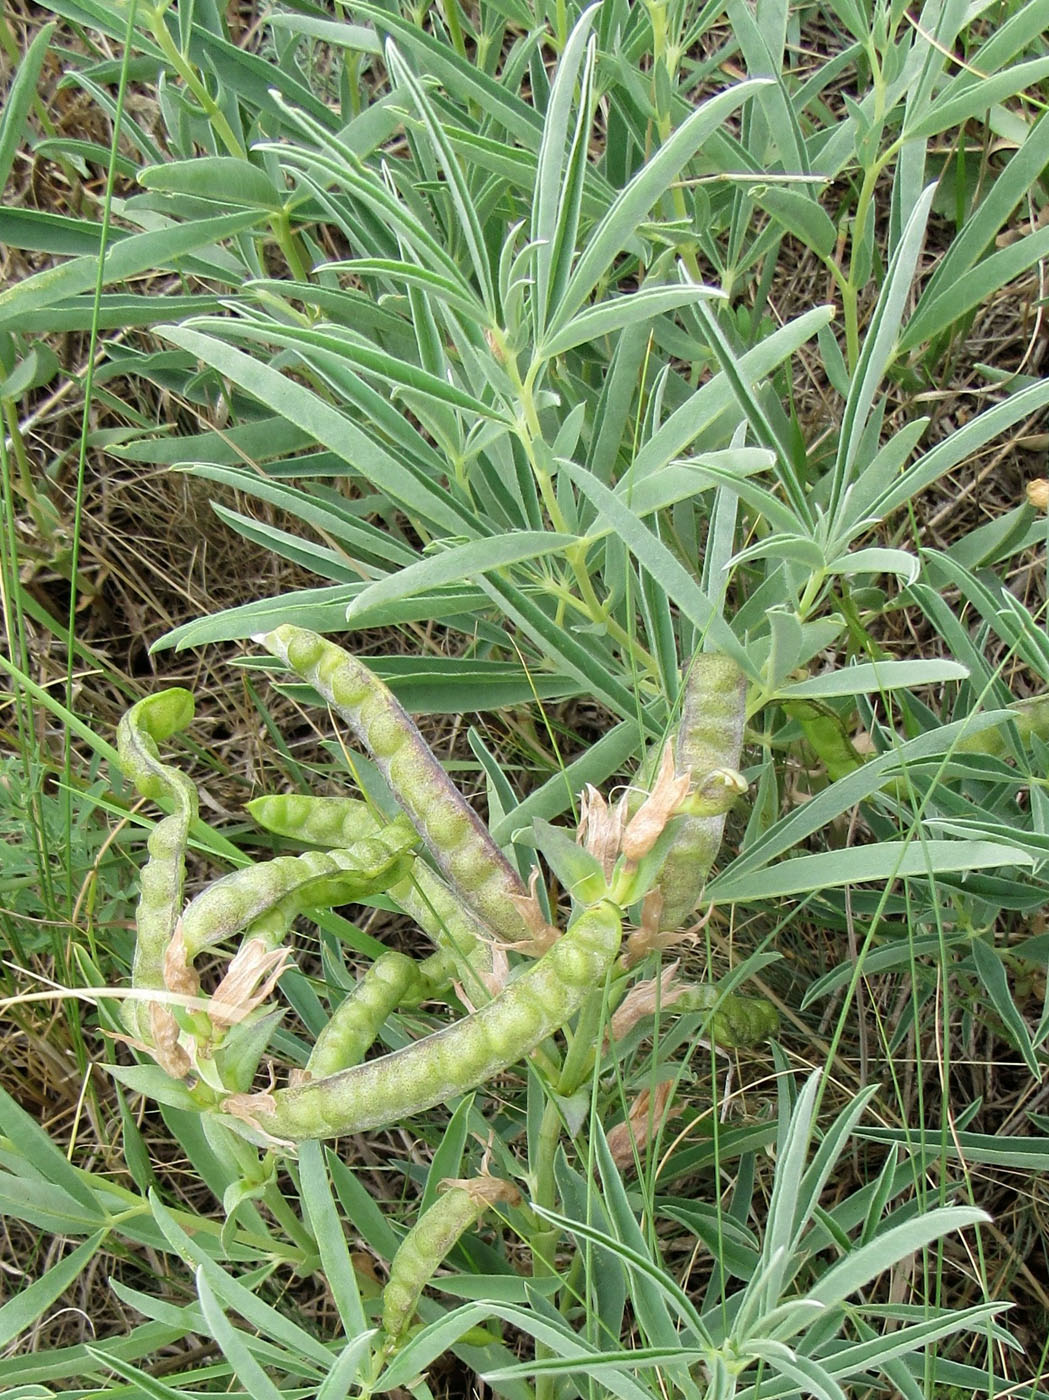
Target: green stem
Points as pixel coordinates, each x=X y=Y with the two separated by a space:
x=289 y=1221
x=543 y=1241
x=529 y=432
x=290 y=246
x=455 y=29
x=598 y=613
x=186 y=72
x=40 y=508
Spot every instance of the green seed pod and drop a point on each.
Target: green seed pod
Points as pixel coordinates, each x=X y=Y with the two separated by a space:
x=316 y=879
x=422 y=894
x=321 y=821
x=147 y=724
x=428 y=1242
x=1031 y=717
x=454 y=834
x=349 y=1035
x=827 y=736
x=736 y=1021
x=709 y=741
x=452 y=1061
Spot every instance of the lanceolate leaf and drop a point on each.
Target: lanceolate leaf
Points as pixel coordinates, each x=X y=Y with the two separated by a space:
x=19 y=99
x=458 y=563
x=885 y=860
x=127 y=257
x=328 y=426
x=611 y=316
x=634 y=203
x=551 y=220
x=654 y=556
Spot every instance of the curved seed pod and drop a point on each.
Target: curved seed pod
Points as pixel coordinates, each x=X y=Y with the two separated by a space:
x=422 y=894
x=147 y=724
x=454 y=834
x=315 y=879
x=1031 y=717
x=442 y=916
x=736 y=1021
x=322 y=821
x=348 y=1036
x=449 y=1062
x=428 y=1242
x=827 y=737
x=709 y=741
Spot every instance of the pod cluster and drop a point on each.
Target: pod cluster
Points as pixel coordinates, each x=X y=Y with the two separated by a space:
x=438 y=862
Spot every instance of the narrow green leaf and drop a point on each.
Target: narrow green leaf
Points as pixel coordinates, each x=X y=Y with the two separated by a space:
x=1026 y=1154
x=1003 y=195
x=331 y=1242
x=327 y=425
x=801 y=215
x=270 y=1322
x=872 y=677
x=782 y=1224
x=141 y=252
x=455 y=182
x=336 y=32
x=610 y=316
x=975 y=287
x=433 y=1341
x=710 y=401
x=348 y=1368
x=589 y=664
x=879 y=349
x=42 y=232
x=462 y=78
x=43 y=1155
x=883 y=860
x=76 y=1363
x=653 y=555
x=634 y=202
x=20 y=97
x=354 y=350
x=961 y=444
x=225 y=179
x=558 y=196
x=360 y=1206
x=452 y=565
x=30 y=1304
x=456 y=293
x=608 y=755
x=869 y=1260
x=969 y=96
x=247 y=1369
x=145 y=1384
x=992 y=977
x=858 y=1359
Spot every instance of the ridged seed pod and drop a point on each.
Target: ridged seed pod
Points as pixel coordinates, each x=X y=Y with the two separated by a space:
x=450 y=1062
x=736 y=1021
x=320 y=821
x=422 y=894
x=429 y=1241
x=708 y=744
x=147 y=724
x=454 y=834
x=316 y=879
x=357 y=1020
